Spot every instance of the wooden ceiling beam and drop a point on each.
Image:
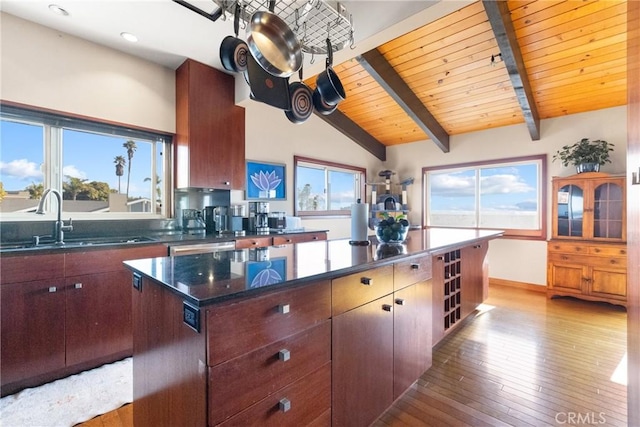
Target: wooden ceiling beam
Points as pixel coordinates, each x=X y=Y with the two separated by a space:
x=500 y=20
x=381 y=71
x=346 y=126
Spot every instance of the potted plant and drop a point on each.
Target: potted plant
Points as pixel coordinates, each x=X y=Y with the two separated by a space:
x=585 y=155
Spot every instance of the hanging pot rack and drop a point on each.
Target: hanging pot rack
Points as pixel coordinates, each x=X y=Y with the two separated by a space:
x=312 y=21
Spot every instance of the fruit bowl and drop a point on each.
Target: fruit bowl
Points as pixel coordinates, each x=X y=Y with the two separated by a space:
x=392 y=230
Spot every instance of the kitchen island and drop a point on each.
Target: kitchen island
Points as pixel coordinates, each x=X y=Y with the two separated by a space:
x=316 y=333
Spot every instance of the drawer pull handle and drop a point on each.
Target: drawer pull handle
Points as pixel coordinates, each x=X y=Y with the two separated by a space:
x=596 y=250
x=52 y=289
x=288 y=240
x=283 y=308
x=78 y=286
x=415 y=266
x=284 y=355
x=387 y=307
x=440 y=258
x=227 y=183
x=564 y=257
x=284 y=404
x=315 y=237
x=399 y=301
x=366 y=281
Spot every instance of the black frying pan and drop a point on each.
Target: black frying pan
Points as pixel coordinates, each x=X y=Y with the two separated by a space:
x=234 y=51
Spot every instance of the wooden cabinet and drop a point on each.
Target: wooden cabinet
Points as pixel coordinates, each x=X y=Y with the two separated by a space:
x=210 y=129
x=299 y=238
x=254 y=242
x=77 y=319
x=475 y=276
x=586 y=258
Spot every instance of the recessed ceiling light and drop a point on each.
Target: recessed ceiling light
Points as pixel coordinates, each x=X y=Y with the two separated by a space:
x=129 y=37
x=58 y=10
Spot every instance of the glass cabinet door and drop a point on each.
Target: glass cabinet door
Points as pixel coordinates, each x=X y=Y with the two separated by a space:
x=607 y=211
x=570 y=211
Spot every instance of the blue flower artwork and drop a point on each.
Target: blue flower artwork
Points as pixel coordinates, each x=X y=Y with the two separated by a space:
x=266 y=181
x=265 y=273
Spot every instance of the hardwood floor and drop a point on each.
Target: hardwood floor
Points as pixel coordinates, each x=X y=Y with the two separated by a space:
x=523 y=360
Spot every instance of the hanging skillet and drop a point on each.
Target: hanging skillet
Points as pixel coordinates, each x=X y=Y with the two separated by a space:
x=328 y=83
x=273 y=44
x=233 y=51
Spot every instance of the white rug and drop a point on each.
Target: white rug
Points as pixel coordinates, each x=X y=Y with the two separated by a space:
x=71 y=400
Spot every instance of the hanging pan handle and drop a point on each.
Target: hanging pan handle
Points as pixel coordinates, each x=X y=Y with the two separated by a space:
x=329 y=53
x=272 y=5
x=236 y=18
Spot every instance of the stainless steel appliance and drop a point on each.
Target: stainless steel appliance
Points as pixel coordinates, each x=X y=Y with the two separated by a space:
x=193 y=222
x=200 y=248
x=259 y=217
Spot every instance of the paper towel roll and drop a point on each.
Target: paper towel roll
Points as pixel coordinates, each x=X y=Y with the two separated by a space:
x=359 y=220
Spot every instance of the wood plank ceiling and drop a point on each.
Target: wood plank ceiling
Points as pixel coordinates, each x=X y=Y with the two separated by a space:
x=565 y=57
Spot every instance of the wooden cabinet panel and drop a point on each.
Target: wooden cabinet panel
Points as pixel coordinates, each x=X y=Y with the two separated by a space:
x=302 y=403
x=103 y=260
x=410 y=271
x=609 y=282
x=27 y=268
x=254 y=376
x=239 y=327
x=475 y=286
x=356 y=289
x=412 y=335
x=568 y=278
x=254 y=242
x=362 y=359
x=33 y=326
x=299 y=238
x=98 y=317
x=210 y=129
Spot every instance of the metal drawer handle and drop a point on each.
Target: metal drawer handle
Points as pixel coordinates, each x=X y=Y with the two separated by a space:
x=78 y=286
x=415 y=266
x=399 y=301
x=284 y=404
x=315 y=237
x=387 y=307
x=288 y=240
x=283 y=308
x=52 y=289
x=227 y=183
x=284 y=355
x=366 y=281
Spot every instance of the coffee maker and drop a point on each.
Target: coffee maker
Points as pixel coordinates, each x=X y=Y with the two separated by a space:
x=259 y=217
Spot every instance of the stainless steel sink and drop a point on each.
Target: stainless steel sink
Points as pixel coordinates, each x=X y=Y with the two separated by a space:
x=73 y=243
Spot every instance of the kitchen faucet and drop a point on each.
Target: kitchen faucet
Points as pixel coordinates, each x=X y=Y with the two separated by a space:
x=59 y=227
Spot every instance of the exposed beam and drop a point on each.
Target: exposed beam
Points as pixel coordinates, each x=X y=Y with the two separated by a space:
x=344 y=124
x=500 y=20
x=390 y=80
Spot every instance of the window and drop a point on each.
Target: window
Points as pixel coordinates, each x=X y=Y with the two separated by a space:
x=100 y=169
x=507 y=194
x=324 y=188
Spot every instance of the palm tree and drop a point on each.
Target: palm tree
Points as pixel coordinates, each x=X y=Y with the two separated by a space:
x=119 y=162
x=130 y=145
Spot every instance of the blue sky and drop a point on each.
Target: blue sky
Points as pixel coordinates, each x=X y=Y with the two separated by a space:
x=502 y=188
x=341 y=185
x=85 y=156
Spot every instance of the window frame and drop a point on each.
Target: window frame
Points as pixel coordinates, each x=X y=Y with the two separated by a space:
x=54 y=123
x=525 y=234
x=327 y=165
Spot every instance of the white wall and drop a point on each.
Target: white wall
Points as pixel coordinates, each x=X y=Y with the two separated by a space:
x=53 y=70
x=516 y=260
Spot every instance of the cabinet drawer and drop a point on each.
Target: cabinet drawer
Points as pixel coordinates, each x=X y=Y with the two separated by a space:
x=610 y=251
x=588 y=261
x=354 y=290
x=240 y=327
x=27 y=268
x=410 y=271
x=254 y=242
x=104 y=260
x=567 y=247
x=298 y=404
x=298 y=238
x=254 y=376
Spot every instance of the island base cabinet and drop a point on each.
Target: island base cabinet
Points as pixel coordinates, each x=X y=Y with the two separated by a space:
x=302 y=403
x=362 y=349
x=412 y=335
x=169 y=363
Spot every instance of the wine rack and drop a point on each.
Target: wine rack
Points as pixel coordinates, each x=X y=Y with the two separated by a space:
x=452 y=297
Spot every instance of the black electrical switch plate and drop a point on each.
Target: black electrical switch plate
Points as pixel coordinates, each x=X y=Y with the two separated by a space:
x=191 y=316
x=137 y=281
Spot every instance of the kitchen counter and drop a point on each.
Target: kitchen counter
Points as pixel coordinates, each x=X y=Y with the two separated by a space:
x=215 y=277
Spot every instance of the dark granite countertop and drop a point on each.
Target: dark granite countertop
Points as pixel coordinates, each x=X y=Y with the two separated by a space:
x=218 y=276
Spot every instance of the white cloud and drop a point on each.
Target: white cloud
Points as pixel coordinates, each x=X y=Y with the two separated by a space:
x=504 y=184
x=73 y=172
x=21 y=169
x=453 y=185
